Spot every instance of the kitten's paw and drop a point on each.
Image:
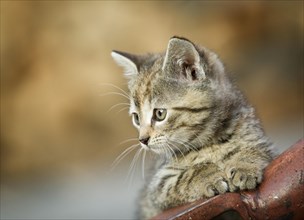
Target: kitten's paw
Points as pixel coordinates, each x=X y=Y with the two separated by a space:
x=244 y=178
x=217 y=185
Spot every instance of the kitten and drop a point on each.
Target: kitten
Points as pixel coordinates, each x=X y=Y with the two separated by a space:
x=185 y=108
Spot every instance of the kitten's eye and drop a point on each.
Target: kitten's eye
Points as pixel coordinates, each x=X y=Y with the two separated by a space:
x=135 y=118
x=160 y=114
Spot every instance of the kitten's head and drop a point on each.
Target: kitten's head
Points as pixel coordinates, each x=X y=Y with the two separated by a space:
x=174 y=95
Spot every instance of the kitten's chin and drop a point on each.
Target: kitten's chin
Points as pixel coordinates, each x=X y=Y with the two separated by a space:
x=157 y=150
x=145 y=147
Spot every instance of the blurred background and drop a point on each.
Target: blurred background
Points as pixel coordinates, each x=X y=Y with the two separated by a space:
x=58 y=138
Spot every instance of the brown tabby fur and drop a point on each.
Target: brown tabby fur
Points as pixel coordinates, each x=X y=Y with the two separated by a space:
x=211 y=140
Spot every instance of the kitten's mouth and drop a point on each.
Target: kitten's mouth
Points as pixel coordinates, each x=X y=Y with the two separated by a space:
x=145 y=147
x=154 y=149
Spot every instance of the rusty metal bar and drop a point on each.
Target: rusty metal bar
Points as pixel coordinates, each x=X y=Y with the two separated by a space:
x=279 y=196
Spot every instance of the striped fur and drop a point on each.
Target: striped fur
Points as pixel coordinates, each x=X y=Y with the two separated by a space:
x=212 y=141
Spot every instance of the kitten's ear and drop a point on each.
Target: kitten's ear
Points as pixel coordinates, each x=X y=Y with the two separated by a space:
x=129 y=62
x=183 y=58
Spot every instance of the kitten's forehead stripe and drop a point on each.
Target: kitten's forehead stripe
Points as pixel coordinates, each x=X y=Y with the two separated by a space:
x=136 y=99
x=147 y=92
x=144 y=88
x=192 y=110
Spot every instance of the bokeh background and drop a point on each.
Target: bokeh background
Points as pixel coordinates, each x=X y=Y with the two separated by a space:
x=58 y=138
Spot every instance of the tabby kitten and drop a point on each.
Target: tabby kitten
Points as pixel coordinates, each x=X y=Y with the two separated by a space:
x=185 y=108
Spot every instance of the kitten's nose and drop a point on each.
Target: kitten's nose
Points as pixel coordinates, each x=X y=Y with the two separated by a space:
x=144 y=140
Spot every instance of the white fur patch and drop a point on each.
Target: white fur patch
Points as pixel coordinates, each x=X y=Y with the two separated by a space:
x=147 y=112
x=130 y=68
x=223 y=185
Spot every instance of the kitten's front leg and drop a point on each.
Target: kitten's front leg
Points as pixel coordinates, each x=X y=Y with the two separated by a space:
x=172 y=187
x=245 y=170
x=201 y=180
x=207 y=180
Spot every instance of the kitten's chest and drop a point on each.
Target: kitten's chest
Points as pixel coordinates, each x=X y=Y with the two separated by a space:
x=168 y=173
x=213 y=154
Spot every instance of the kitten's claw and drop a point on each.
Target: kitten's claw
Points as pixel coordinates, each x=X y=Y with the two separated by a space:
x=251 y=182
x=219 y=187
x=239 y=179
x=244 y=178
x=210 y=190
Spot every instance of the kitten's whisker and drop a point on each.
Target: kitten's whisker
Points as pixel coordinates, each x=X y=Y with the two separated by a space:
x=173 y=152
x=176 y=147
x=187 y=145
x=137 y=161
x=123 y=155
x=164 y=153
x=160 y=151
x=116 y=105
x=197 y=137
x=128 y=140
x=168 y=152
x=181 y=143
x=133 y=166
x=122 y=109
x=143 y=164
x=116 y=87
x=115 y=93
x=191 y=147
x=133 y=162
x=173 y=145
